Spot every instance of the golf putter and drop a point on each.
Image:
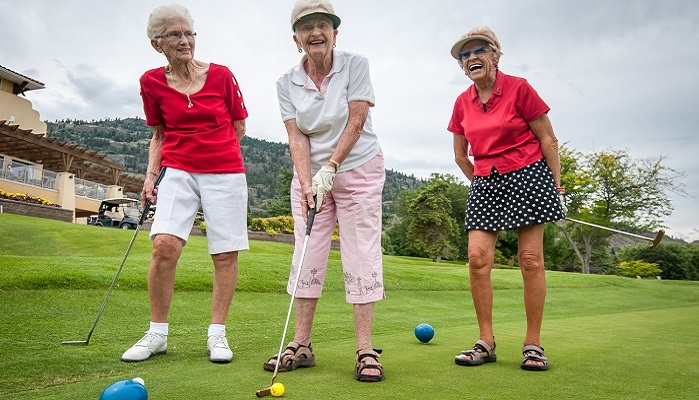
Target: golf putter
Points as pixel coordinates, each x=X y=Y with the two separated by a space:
x=309 y=225
x=654 y=241
x=144 y=214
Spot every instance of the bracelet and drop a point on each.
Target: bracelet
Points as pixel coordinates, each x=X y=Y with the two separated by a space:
x=151 y=172
x=560 y=190
x=337 y=164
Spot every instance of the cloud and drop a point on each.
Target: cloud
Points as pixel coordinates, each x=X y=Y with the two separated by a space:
x=616 y=74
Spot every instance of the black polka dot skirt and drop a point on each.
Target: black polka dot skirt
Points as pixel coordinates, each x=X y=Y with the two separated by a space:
x=519 y=198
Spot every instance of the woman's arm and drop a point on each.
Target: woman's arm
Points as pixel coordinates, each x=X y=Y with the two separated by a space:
x=358 y=112
x=543 y=130
x=461 y=156
x=154 y=157
x=300 y=147
x=239 y=127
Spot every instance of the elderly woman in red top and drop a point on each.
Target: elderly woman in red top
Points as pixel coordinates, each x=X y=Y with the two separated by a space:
x=197 y=114
x=502 y=123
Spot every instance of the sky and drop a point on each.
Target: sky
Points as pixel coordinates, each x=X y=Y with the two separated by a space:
x=617 y=74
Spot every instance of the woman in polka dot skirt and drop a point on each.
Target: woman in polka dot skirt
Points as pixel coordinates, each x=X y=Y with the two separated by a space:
x=502 y=123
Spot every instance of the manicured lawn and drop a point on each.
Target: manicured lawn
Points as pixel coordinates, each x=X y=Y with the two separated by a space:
x=607 y=337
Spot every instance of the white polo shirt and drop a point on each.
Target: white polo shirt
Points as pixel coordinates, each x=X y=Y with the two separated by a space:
x=322 y=116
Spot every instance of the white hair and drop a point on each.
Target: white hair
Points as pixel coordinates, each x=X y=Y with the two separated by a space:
x=157 y=18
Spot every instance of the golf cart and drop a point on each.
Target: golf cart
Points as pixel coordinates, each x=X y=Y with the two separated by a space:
x=116 y=213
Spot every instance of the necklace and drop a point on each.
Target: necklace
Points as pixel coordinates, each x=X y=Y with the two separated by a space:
x=186 y=91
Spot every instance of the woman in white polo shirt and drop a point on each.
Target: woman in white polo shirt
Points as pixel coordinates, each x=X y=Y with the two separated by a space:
x=324 y=102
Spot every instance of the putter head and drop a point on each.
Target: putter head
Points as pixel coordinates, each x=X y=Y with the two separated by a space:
x=264 y=392
x=74 y=342
x=657 y=239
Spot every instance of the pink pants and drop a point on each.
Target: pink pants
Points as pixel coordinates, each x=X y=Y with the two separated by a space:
x=355 y=203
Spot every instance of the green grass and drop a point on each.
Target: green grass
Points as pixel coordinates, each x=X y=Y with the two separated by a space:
x=607 y=337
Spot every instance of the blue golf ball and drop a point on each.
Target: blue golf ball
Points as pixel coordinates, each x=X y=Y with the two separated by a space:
x=424 y=333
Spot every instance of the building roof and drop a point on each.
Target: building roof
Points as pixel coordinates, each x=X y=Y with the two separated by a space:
x=23 y=82
x=62 y=156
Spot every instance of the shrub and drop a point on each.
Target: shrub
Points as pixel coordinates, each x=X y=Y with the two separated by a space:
x=674 y=259
x=202 y=225
x=502 y=259
x=281 y=224
x=569 y=268
x=636 y=268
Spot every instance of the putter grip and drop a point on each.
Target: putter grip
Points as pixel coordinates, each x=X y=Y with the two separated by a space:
x=146 y=209
x=311 y=217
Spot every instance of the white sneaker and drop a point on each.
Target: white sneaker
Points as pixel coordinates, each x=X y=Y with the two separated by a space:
x=218 y=350
x=150 y=345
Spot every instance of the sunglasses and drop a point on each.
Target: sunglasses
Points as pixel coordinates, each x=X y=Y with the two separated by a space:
x=477 y=51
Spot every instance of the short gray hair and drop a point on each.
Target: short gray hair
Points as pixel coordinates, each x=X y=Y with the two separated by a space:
x=156 y=20
x=315 y=15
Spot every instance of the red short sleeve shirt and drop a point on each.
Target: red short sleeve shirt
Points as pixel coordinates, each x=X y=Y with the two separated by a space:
x=201 y=138
x=498 y=131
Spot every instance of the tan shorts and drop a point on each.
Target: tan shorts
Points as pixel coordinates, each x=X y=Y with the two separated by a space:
x=354 y=202
x=224 y=201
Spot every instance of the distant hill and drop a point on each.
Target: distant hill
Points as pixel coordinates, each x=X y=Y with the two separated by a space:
x=125 y=141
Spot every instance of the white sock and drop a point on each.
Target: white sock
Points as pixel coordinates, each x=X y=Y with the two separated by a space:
x=161 y=328
x=217 y=329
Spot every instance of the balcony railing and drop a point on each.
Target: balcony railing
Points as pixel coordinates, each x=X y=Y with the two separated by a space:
x=90 y=189
x=29 y=175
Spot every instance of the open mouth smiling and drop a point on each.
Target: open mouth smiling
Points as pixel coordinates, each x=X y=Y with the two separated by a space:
x=475 y=67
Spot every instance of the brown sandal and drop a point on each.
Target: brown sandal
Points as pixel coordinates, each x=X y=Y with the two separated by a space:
x=295 y=356
x=534 y=353
x=481 y=353
x=368 y=359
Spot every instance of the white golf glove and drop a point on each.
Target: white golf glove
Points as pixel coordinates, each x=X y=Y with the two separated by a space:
x=562 y=200
x=322 y=184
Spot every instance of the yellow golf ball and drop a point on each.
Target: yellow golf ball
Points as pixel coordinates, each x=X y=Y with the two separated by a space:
x=277 y=389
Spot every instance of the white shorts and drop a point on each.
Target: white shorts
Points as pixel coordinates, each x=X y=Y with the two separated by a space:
x=224 y=200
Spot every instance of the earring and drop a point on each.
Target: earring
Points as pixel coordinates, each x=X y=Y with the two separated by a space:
x=300 y=50
x=334 y=45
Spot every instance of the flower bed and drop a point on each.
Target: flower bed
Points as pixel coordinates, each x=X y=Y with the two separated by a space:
x=26 y=198
x=31 y=206
x=273 y=225
x=280 y=225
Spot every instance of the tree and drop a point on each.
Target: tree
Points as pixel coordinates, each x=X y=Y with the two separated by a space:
x=398 y=232
x=282 y=204
x=408 y=216
x=457 y=194
x=611 y=188
x=432 y=229
x=557 y=250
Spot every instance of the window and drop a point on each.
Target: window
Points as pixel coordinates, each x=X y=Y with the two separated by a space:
x=20 y=171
